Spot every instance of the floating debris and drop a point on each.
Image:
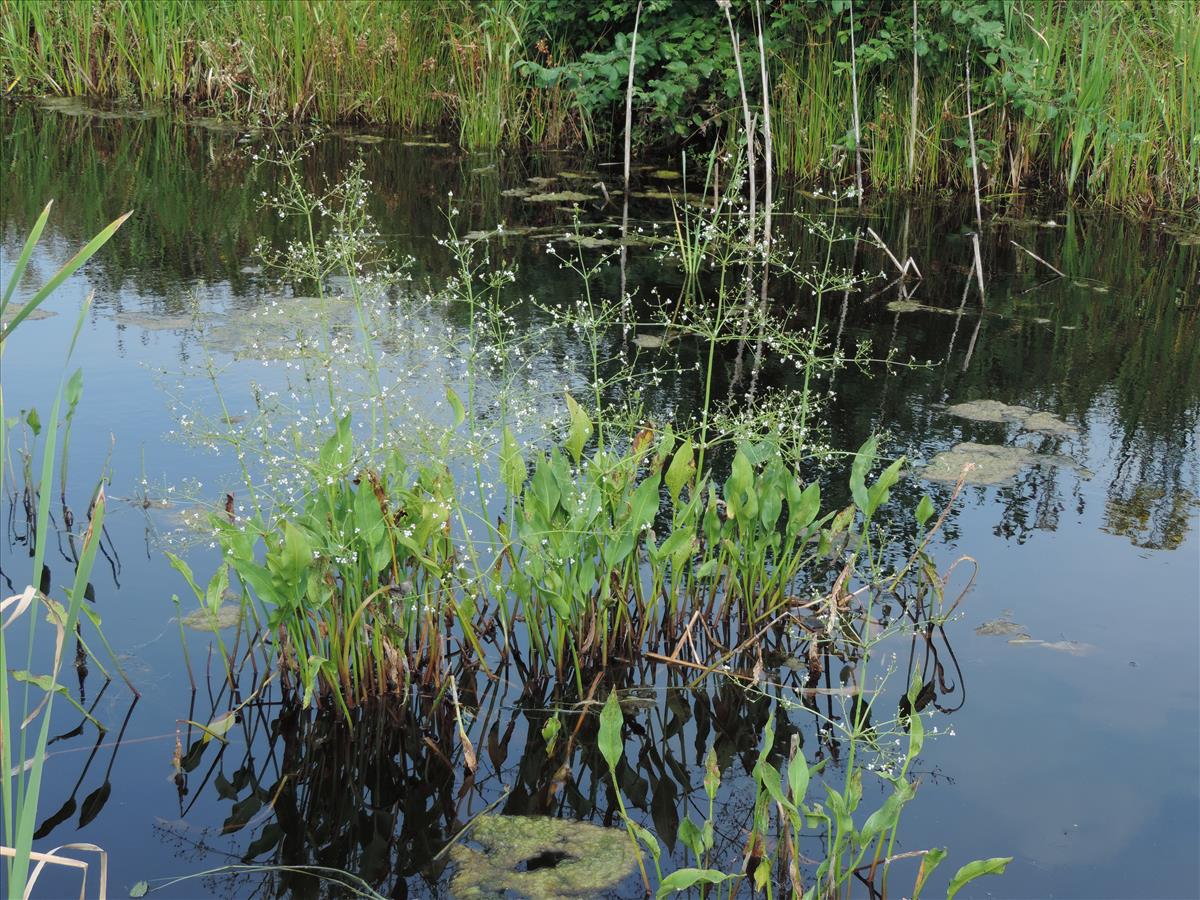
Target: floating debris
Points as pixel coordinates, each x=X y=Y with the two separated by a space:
x=652 y=195
x=560 y=197
x=517 y=192
x=540 y=182
x=539 y=858
x=1016 y=634
x=990 y=463
x=442 y=144
x=363 y=138
x=227 y=615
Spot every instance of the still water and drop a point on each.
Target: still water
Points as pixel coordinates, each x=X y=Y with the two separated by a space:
x=1072 y=681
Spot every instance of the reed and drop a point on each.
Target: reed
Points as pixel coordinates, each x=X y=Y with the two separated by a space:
x=26 y=724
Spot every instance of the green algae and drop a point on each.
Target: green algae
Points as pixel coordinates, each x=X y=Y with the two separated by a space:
x=539 y=858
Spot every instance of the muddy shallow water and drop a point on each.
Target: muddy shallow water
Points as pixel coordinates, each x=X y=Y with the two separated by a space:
x=1076 y=685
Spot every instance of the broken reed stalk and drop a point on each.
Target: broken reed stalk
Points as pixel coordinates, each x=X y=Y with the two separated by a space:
x=912 y=122
x=858 y=183
x=902 y=268
x=1039 y=259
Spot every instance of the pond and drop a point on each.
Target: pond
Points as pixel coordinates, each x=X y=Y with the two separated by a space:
x=1069 y=675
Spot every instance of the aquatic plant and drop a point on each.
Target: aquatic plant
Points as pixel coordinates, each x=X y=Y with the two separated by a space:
x=25 y=724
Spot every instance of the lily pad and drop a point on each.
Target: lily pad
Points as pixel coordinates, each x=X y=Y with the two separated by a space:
x=560 y=197
x=539 y=858
x=225 y=616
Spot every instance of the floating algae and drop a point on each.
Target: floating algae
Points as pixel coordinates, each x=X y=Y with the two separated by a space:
x=539 y=858
x=907 y=306
x=224 y=616
x=665 y=174
x=995 y=411
x=560 y=197
x=150 y=322
x=650 y=341
x=35 y=315
x=363 y=138
x=1002 y=627
x=991 y=463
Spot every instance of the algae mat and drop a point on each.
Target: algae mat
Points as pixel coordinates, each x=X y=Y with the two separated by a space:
x=539 y=858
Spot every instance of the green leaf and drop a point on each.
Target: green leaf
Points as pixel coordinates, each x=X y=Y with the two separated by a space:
x=863 y=460
x=929 y=862
x=881 y=489
x=884 y=819
x=550 y=733
x=139 y=890
x=512 y=464
x=924 y=510
x=798 y=777
x=186 y=571
x=972 y=870
x=691 y=837
x=610 y=741
x=579 y=431
x=460 y=413
x=683 y=879
x=217 y=586
x=681 y=470
x=297 y=552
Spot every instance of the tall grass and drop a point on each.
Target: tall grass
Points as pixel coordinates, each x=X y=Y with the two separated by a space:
x=1118 y=120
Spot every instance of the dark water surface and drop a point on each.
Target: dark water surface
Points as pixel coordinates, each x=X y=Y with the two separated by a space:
x=1076 y=754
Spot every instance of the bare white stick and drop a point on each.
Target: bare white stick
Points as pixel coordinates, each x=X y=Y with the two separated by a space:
x=1039 y=259
x=979 y=268
x=858 y=184
x=637 y=18
x=749 y=124
x=912 y=122
x=974 y=158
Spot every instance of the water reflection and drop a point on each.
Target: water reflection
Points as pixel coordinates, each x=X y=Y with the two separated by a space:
x=1111 y=349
